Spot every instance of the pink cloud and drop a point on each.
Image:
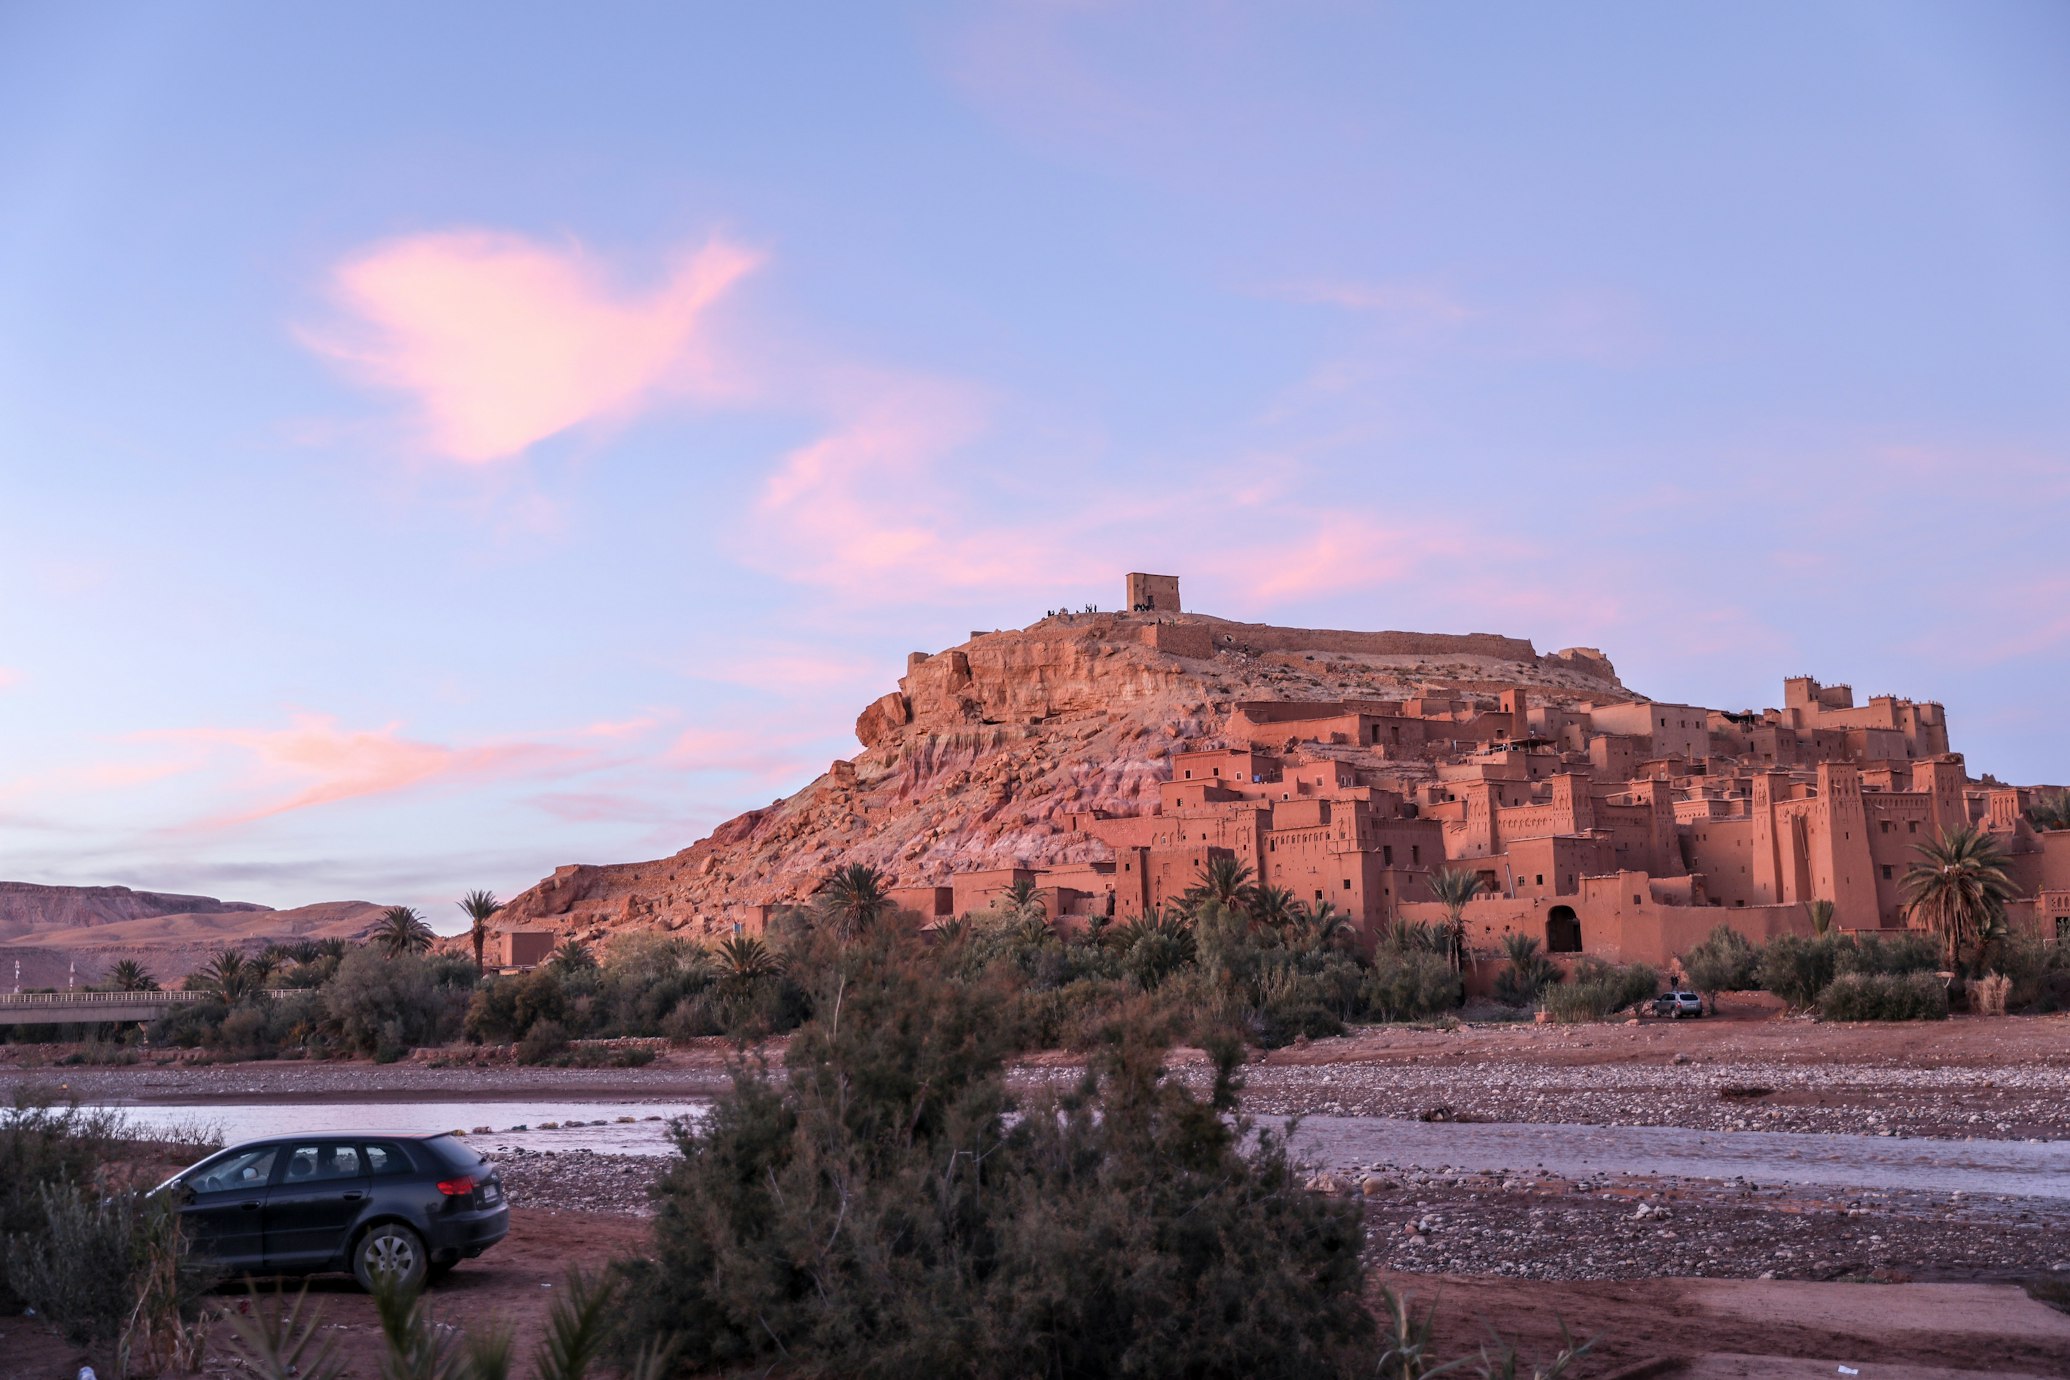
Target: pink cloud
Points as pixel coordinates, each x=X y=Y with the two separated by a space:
x=867 y=507
x=1323 y=553
x=759 y=755
x=502 y=341
x=9 y=678
x=315 y=762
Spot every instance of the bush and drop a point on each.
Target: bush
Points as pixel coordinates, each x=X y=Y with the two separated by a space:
x=385 y=1005
x=1529 y=972
x=888 y=1209
x=1885 y=997
x=1291 y=1004
x=2040 y=974
x=43 y=1143
x=1724 y=962
x=1411 y=984
x=1598 y=990
x=88 y=1264
x=1798 y=969
x=544 y=1040
x=1892 y=955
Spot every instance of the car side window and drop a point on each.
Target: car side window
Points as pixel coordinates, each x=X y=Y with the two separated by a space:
x=243 y=1170
x=315 y=1163
x=386 y=1159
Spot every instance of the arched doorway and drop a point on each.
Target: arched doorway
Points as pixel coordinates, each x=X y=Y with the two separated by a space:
x=1562 y=931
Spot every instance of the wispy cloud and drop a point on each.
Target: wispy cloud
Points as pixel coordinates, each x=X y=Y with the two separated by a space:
x=871 y=507
x=314 y=761
x=502 y=341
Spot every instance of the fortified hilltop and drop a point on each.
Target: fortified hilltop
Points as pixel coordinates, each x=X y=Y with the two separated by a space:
x=1104 y=758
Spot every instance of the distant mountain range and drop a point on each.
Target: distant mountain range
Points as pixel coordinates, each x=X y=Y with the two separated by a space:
x=75 y=933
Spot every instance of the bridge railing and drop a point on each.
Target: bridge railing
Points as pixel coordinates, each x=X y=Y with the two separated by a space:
x=41 y=999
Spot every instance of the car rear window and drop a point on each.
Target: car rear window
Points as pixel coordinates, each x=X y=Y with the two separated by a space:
x=454 y=1153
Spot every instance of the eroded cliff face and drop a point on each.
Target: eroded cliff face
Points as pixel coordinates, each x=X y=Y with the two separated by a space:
x=984 y=749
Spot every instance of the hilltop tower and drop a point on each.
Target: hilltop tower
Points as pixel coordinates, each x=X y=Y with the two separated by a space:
x=1152 y=593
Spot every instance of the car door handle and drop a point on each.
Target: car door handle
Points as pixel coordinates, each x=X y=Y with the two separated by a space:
x=250 y=1206
x=354 y=1196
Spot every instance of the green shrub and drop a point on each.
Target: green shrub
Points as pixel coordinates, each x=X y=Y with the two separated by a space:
x=1412 y=983
x=385 y=1005
x=1885 y=997
x=1528 y=974
x=1894 y=954
x=1597 y=990
x=1724 y=962
x=889 y=1210
x=1797 y=969
x=542 y=1042
x=86 y=1263
x=1291 y=1004
x=2040 y=974
x=47 y=1144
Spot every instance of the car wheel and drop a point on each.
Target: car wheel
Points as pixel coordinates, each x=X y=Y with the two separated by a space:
x=390 y=1251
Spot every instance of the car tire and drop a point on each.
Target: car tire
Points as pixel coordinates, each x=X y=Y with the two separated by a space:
x=390 y=1249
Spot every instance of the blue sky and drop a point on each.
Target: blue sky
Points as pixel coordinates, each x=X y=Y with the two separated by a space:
x=439 y=443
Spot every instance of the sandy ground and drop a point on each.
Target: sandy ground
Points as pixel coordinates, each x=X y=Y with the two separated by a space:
x=1731 y=1328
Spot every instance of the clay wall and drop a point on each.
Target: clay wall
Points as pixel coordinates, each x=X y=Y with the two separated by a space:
x=977 y=890
x=1722 y=850
x=1670 y=730
x=932 y=904
x=1244 y=765
x=519 y=948
x=1258 y=637
x=1619 y=920
x=1178 y=639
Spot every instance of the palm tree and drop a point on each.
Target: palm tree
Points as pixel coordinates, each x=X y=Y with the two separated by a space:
x=1959 y=888
x=1022 y=895
x=2050 y=810
x=1275 y=907
x=224 y=977
x=1821 y=917
x=479 y=905
x=1326 y=927
x=262 y=966
x=128 y=975
x=571 y=955
x=1226 y=880
x=854 y=898
x=744 y=958
x=1454 y=887
x=401 y=930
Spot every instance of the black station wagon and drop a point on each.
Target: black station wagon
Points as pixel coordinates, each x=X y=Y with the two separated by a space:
x=411 y=1206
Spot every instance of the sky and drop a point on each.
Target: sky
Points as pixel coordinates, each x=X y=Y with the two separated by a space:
x=440 y=443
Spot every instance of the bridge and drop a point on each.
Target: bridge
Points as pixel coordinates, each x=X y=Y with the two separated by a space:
x=92 y=1008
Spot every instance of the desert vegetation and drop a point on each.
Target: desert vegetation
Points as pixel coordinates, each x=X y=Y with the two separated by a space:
x=1232 y=956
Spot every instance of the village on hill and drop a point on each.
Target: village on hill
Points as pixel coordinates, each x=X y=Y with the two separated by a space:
x=1596 y=821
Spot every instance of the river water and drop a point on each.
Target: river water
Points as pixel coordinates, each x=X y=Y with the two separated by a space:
x=640 y=1127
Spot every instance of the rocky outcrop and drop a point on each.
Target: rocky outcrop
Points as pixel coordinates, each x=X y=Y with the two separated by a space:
x=985 y=750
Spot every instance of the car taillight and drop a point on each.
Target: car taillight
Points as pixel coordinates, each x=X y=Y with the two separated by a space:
x=456 y=1188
